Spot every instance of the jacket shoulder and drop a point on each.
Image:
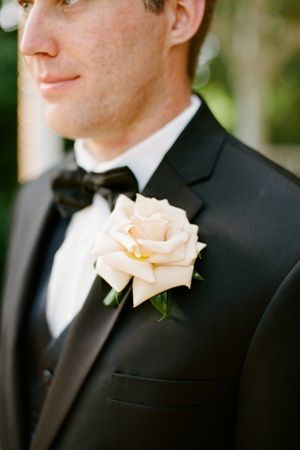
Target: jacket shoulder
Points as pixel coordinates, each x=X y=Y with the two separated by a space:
x=261 y=164
x=255 y=204
x=34 y=194
x=257 y=177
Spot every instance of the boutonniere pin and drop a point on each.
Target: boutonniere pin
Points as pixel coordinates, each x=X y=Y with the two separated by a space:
x=152 y=245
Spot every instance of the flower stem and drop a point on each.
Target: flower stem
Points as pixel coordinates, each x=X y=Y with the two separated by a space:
x=112 y=298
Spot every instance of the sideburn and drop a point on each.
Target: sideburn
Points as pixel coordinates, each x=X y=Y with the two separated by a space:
x=154 y=6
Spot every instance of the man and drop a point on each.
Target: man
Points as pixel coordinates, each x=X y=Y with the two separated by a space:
x=222 y=372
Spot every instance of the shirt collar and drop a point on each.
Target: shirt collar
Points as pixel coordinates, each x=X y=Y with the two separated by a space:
x=143 y=158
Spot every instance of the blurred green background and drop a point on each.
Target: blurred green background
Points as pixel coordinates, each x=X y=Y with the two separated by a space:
x=249 y=73
x=8 y=133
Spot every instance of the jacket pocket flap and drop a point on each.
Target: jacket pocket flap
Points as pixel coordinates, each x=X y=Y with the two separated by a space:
x=161 y=392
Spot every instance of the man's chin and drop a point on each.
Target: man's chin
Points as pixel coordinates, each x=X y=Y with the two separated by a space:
x=62 y=123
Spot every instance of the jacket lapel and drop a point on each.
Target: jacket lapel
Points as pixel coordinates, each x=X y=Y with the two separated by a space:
x=191 y=159
x=167 y=184
x=94 y=324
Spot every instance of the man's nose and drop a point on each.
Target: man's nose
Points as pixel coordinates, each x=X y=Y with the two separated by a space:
x=38 y=33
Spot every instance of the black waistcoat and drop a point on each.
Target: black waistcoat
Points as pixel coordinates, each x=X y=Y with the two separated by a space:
x=43 y=350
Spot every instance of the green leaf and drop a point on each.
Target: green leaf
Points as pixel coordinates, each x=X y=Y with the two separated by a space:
x=197 y=276
x=112 y=298
x=162 y=303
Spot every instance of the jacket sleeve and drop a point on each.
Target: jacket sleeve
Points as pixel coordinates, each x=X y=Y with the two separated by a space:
x=269 y=397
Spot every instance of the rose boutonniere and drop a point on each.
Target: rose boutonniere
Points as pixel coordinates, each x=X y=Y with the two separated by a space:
x=150 y=242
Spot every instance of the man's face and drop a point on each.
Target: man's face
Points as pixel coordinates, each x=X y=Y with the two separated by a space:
x=98 y=63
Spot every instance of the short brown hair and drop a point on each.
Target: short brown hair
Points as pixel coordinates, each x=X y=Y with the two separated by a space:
x=157 y=6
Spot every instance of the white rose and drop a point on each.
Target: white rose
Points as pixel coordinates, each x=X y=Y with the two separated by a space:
x=150 y=241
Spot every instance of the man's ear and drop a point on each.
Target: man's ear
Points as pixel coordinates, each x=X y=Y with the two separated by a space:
x=186 y=17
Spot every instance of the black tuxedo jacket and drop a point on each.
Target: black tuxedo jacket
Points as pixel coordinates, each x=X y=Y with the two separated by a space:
x=223 y=372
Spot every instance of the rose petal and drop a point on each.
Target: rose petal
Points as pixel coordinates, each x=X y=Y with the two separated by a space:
x=123 y=208
x=191 y=253
x=200 y=247
x=150 y=228
x=166 y=278
x=165 y=246
x=116 y=279
x=104 y=244
x=124 y=205
x=175 y=257
x=135 y=267
x=145 y=206
x=125 y=239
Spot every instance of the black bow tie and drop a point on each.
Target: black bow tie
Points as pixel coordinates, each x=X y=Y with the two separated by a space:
x=74 y=189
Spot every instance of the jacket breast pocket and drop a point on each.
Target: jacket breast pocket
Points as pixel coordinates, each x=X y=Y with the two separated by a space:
x=162 y=393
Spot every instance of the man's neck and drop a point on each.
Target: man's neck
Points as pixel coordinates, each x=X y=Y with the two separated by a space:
x=109 y=146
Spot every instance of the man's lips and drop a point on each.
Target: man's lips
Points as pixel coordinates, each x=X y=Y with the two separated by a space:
x=49 y=79
x=51 y=84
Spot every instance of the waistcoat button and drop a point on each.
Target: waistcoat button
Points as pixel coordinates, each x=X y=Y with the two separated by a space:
x=47 y=376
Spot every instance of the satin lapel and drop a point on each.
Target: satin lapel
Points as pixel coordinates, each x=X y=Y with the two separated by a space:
x=167 y=184
x=95 y=323
x=26 y=239
x=192 y=159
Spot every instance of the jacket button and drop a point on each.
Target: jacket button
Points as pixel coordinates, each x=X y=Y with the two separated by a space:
x=47 y=376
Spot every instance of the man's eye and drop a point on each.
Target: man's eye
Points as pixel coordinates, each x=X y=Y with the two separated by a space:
x=70 y=3
x=25 y=5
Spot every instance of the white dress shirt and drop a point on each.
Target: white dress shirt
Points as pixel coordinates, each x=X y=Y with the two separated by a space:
x=73 y=270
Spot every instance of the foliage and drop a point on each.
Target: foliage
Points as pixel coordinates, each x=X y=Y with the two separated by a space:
x=283 y=8
x=8 y=134
x=284 y=104
x=218 y=92
x=286 y=8
x=281 y=101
